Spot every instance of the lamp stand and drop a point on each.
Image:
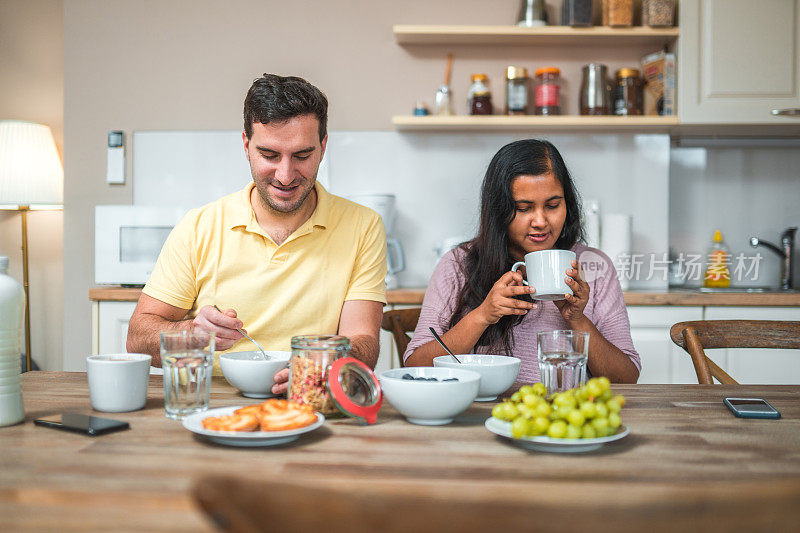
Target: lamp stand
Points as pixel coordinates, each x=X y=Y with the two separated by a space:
x=24 y=210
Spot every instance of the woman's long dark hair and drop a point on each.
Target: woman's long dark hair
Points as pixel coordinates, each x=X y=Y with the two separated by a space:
x=487 y=255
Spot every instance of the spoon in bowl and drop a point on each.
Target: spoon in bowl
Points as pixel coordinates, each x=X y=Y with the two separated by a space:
x=248 y=337
x=440 y=341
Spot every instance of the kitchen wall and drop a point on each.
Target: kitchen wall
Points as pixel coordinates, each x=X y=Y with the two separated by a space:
x=743 y=192
x=31 y=88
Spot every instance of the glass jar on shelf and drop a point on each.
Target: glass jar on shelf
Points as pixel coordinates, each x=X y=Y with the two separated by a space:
x=658 y=13
x=547 y=91
x=576 y=13
x=479 y=97
x=516 y=91
x=618 y=12
x=628 y=92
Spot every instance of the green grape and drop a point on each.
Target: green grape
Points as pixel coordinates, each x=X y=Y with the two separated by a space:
x=593 y=388
x=499 y=411
x=604 y=382
x=526 y=411
x=519 y=427
x=601 y=410
x=582 y=395
x=614 y=420
x=600 y=424
x=620 y=399
x=565 y=400
x=557 y=429
x=511 y=411
x=588 y=432
x=607 y=395
x=606 y=431
x=525 y=390
x=539 y=426
x=539 y=389
x=544 y=409
x=613 y=406
x=531 y=400
x=589 y=410
x=576 y=418
x=516 y=397
x=563 y=411
x=573 y=432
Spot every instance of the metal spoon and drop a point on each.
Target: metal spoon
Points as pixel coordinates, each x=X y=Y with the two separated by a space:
x=263 y=353
x=440 y=341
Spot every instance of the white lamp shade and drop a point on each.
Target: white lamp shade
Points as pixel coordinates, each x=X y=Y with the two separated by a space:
x=30 y=168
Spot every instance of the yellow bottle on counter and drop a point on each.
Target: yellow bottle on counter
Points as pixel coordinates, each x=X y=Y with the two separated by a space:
x=718 y=273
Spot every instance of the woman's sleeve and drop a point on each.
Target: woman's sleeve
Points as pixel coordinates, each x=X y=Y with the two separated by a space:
x=438 y=306
x=611 y=315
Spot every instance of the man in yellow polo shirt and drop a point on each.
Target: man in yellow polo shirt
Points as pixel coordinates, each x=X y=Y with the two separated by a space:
x=282 y=257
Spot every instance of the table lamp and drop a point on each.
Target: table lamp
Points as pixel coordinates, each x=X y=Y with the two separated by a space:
x=31 y=177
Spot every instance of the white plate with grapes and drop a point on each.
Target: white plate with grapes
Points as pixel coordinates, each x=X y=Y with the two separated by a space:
x=548 y=444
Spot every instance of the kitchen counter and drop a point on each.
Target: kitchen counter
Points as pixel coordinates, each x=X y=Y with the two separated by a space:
x=679 y=297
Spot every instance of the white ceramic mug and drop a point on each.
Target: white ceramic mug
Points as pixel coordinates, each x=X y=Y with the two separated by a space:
x=118 y=382
x=546 y=271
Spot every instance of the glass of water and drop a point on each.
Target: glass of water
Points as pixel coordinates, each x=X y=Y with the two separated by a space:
x=562 y=359
x=187 y=358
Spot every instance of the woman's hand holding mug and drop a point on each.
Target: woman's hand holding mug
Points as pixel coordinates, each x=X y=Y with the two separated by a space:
x=501 y=302
x=572 y=306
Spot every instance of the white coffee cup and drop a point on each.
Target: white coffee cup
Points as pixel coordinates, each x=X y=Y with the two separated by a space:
x=546 y=271
x=118 y=382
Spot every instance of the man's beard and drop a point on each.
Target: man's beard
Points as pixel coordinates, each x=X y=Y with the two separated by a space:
x=282 y=207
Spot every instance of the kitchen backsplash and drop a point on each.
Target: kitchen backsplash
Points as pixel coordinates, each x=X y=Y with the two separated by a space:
x=742 y=192
x=435 y=177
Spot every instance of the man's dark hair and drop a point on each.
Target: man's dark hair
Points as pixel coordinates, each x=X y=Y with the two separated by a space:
x=274 y=98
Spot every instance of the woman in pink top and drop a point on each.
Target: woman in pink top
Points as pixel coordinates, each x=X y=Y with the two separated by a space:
x=477 y=305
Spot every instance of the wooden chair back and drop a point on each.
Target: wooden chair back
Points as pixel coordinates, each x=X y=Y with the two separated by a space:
x=697 y=335
x=399 y=322
x=241 y=505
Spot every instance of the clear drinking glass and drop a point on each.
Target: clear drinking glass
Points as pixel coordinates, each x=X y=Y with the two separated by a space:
x=187 y=358
x=562 y=359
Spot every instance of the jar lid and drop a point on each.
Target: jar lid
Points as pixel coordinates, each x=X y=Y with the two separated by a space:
x=627 y=73
x=480 y=77
x=320 y=342
x=516 y=72
x=548 y=70
x=355 y=390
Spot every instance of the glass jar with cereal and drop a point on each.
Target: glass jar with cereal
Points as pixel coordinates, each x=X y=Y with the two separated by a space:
x=312 y=357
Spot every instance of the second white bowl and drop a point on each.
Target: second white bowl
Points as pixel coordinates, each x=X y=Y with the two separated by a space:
x=498 y=372
x=250 y=373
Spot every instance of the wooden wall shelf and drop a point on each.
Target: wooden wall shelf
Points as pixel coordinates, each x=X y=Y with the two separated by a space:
x=562 y=123
x=546 y=35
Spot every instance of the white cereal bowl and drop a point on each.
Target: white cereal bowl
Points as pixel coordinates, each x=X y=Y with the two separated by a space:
x=430 y=403
x=250 y=373
x=498 y=372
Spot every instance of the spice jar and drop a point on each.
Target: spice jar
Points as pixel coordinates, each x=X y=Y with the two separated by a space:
x=516 y=91
x=658 y=13
x=618 y=12
x=548 y=84
x=576 y=13
x=312 y=357
x=479 y=98
x=594 y=97
x=628 y=92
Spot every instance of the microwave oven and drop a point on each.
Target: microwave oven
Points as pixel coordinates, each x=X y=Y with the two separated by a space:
x=128 y=239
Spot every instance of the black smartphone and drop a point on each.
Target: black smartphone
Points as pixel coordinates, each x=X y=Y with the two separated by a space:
x=85 y=424
x=751 y=408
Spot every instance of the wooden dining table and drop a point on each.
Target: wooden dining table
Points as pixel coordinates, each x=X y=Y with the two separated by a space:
x=687 y=464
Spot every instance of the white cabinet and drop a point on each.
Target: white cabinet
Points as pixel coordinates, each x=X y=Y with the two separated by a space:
x=662 y=360
x=388 y=357
x=757 y=365
x=738 y=60
x=112 y=325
